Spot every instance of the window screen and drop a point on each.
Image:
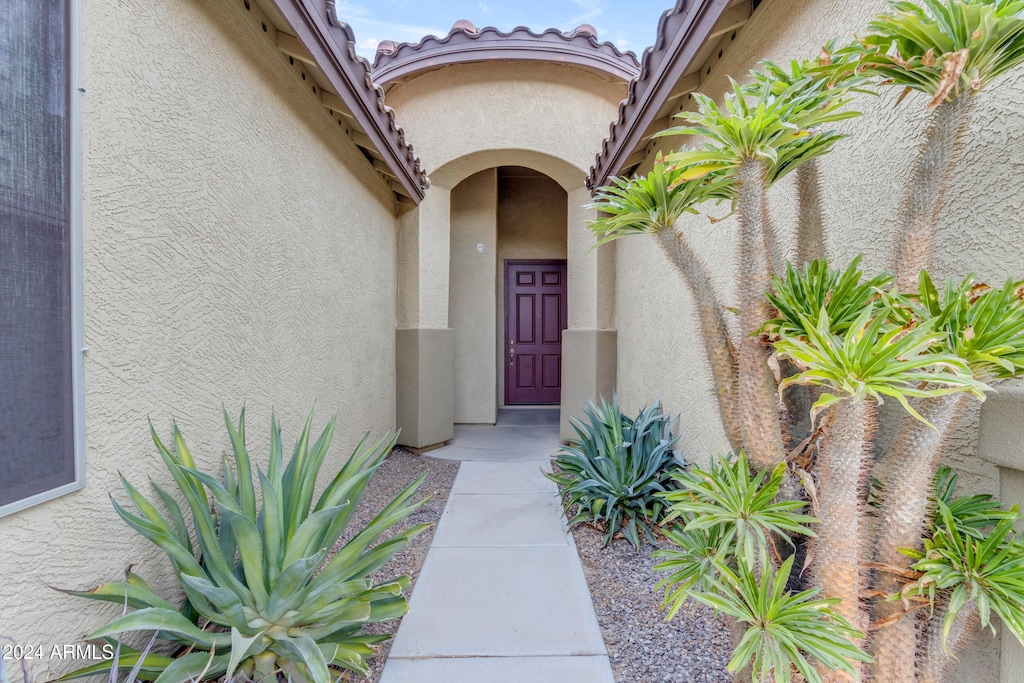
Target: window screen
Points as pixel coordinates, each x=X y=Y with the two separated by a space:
x=37 y=449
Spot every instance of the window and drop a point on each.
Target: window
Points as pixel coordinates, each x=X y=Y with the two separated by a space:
x=41 y=442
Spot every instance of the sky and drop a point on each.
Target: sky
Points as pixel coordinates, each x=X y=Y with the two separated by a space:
x=629 y=25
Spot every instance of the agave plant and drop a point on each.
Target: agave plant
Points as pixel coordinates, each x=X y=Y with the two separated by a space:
x=264 y=593
x=614 y=468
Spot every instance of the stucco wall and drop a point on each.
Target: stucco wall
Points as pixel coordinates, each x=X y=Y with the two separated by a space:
x=471 y=307
x=659 y=353
x=237 y=250
x=556 y=110
x=532 y=220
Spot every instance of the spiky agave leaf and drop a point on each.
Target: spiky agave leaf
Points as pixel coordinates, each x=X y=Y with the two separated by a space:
x=785 y=631
x=614 y=468
x=269 y=599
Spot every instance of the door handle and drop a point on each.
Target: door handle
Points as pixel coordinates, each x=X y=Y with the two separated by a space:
x=511 y=355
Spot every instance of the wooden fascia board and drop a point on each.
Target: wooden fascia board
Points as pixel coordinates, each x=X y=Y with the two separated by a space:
x=309 y=22
x=702 y=18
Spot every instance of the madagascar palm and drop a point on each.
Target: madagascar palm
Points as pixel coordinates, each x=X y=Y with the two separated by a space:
x=652 y=204
x=948 y=50
x=976 y=576
x=985 y=327
x=838 y=72
x=784 y=631
x=755 y=144
x=871 y=361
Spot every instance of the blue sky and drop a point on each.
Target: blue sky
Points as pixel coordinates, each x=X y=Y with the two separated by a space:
x=630 y=25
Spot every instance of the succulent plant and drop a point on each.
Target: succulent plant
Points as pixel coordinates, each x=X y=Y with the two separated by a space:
x=267 y=589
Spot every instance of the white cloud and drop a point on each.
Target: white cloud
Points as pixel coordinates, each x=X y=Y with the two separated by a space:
x=484 y=8
x=622 y=44
x=591 y=9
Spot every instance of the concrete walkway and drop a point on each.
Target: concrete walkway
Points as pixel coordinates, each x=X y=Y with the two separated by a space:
x=501 y=597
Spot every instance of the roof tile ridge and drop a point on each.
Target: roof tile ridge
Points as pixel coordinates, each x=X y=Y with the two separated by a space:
x=349 y=43
x=397 y=51
x=643 y=80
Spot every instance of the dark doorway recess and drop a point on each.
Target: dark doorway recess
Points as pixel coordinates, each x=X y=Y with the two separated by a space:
x=536 y=312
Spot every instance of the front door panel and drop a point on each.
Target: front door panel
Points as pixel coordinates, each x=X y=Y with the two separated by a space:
x=535 y=315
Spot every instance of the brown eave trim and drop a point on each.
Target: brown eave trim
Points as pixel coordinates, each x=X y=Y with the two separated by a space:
x=653 y=88
x=462 y=46
x=331 y=46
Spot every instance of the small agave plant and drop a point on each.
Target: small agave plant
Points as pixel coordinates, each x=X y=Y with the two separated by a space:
x=615 y=467
x=264 y=593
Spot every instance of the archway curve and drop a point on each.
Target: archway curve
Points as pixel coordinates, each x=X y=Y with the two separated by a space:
x=569 y=176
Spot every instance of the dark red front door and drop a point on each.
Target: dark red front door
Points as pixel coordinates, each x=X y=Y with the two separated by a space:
x=535 y=315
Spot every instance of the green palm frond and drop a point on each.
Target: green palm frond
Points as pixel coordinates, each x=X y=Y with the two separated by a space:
x=945 y=48
x=800 y=294
x=836 y=67
x=984 y=326
x=987 y=570
x=647 y=204
x=740 y=506
x=875 y=359
x=690 y=563
x=785 y=631
x=781 y=128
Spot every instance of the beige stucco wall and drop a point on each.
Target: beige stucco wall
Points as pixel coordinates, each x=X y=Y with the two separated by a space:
x=466 y=118
x=237 y=250
x=471 y=307
x=532 y=220
x=659 y=354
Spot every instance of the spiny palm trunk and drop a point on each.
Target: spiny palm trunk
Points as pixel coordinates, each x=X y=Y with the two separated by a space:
x=926 y=190
x=810 y=232
x=839 y=553
x=717 y=345
x=937 y=662
x=915 y=455
x=762 y=436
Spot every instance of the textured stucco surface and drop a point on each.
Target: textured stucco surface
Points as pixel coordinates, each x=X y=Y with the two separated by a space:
x=471 y=308
x=659 y=353
x=531 y=225
x=552 y=109
x=237 y=249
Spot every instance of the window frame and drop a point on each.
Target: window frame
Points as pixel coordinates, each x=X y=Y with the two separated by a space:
x=75 y=92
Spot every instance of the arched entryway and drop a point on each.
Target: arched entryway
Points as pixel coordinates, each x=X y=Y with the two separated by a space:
x=484 y=210
x=508 y=290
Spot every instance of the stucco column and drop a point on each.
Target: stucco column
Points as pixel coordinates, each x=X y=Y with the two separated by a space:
x=1001 y=442
x=424 y=345
x=589 y=345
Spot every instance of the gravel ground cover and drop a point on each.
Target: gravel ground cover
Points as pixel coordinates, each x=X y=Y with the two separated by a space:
x=643 y=648
x=397 y=472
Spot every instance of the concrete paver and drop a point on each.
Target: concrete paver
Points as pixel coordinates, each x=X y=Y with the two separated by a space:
x=501 y=596
x=501 y=520
x=483 y=477
x=592 y=669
